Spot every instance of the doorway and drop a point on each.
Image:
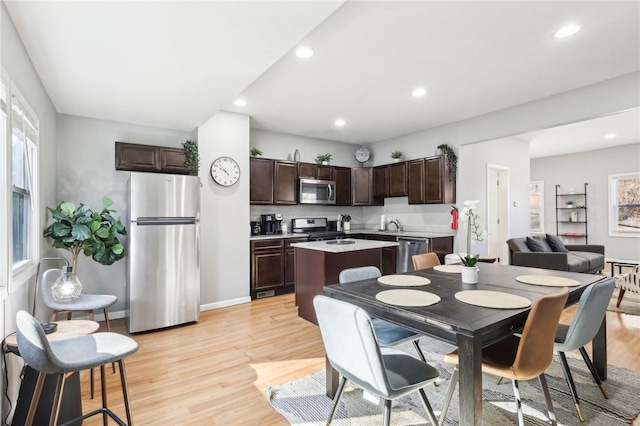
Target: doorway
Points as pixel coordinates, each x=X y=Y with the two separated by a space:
x=498 y=212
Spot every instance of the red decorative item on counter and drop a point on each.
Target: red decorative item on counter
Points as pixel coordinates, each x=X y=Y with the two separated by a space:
x=454 y=218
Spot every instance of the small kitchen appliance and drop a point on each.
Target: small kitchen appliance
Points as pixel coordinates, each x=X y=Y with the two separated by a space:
x=271 y=224
x=255 y=228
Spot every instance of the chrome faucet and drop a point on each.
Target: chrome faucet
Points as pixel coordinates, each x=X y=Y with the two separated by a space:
x=396 y=222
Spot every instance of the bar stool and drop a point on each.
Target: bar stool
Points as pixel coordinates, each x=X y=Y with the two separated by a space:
x=71 y=355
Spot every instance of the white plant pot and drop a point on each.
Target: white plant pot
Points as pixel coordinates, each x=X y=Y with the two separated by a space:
x=347 y=226
x=325 y=163
x=470 y=274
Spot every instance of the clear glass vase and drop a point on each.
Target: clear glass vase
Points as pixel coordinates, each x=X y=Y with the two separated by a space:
x=68 y=287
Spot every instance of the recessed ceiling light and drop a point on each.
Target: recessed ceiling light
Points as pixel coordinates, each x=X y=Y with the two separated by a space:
x=340 y=122
x=240 y=102
x=567 y=31
x=610 y=136
x=304 y=52
x=418 y=92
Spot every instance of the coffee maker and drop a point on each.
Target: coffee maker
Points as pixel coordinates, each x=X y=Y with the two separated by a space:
x=271 y=224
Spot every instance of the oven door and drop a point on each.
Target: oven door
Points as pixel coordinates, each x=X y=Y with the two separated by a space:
x=314 y=191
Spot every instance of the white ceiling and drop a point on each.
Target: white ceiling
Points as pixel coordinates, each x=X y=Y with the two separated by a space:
x=175 y=64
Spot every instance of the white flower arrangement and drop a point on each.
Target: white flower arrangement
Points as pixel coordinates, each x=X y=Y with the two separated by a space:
x=471 y=220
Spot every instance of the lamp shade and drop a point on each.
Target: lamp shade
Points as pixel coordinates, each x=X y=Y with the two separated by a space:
x=67 y=287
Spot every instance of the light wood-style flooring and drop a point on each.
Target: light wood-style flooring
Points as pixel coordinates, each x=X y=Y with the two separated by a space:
x=215 y=372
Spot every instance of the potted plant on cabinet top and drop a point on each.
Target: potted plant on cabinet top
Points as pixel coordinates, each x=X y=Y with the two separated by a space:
x=191 y=157
x=256 y=152
x=452 y=159
x=323 y=158
x=81 y=230
x=397 y=156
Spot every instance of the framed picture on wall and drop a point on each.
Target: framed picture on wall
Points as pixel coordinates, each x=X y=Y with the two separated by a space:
x=536 y=205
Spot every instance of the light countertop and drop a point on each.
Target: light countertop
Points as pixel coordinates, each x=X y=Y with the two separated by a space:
x=344 y=248
x=414 y=234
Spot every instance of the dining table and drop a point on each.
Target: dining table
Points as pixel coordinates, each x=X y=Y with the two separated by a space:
x=464 y=325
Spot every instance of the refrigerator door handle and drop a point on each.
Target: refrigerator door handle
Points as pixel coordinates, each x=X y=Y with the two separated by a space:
x=144 y=221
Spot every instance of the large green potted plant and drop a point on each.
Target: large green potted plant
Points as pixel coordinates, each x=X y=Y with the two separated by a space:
x=81 y=230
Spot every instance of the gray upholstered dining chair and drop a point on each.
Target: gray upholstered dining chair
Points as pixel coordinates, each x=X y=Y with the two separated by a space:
x=352 y=349
x=521 y=358
x=85 y=303
x=387 y=334
x=70 y=355
x=586 y=322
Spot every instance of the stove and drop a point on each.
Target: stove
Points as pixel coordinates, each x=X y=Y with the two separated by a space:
x=316 y=228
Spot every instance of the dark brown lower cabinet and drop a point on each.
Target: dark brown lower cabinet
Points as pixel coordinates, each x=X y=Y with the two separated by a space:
x=442 y=246
x=272 y=267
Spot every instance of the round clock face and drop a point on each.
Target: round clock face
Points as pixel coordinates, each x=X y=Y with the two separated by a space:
x=225 y=171
x=363 y=155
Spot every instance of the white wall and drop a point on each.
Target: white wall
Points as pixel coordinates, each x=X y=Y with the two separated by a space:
x=16 y=62
x=86 y=173
x=474 y=159
x=224 y=258
x=593 y=167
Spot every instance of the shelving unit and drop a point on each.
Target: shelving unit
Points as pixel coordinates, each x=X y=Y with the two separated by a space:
x=571 y=214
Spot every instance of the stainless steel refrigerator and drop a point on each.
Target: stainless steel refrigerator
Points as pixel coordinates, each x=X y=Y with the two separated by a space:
x=163 y=282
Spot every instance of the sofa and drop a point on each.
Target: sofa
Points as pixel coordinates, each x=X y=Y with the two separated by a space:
x=549 y=252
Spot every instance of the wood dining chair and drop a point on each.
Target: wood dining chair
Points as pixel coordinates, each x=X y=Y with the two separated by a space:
x=521 y=358
x=425 y=260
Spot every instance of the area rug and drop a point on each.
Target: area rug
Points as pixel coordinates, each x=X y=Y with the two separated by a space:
x=303 y=401
x=630 y=303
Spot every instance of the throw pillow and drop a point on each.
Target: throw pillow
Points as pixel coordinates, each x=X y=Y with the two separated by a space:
x=535 y=244
x=556 y=244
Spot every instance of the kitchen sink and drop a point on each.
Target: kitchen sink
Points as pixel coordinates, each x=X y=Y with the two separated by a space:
x=340 y=242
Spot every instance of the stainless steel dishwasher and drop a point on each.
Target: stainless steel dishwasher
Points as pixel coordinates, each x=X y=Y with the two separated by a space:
x=407 y=248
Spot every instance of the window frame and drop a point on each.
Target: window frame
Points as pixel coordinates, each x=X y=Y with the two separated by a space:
x=22 y=271
x=5 y=242
x=613 y=205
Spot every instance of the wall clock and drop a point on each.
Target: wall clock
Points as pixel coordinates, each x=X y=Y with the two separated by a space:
x=225 y=171
x=363 y=154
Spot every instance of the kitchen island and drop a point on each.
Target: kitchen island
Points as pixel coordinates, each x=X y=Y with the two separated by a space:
x=318 y=263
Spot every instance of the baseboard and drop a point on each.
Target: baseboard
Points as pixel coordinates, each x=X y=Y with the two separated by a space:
x=207 y=307
x=225 y=303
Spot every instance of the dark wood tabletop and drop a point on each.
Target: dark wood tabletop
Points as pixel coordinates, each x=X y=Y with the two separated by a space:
x=466 y=326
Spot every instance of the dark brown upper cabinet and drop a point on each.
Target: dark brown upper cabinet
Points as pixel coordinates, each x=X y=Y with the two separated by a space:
x=307 y=170
x=285 y=182
x=342 y=176
x=149 y=158
x=429 y=182
x=390 y=180
x=362 y=187
x=261 y=181
x=315 y=171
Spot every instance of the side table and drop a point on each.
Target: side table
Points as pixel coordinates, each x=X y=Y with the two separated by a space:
x=71 y=405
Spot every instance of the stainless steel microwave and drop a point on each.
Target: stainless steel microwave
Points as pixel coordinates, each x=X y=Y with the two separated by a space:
x=314 y=191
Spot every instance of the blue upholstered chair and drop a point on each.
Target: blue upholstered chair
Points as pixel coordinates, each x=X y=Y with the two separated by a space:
x=387 y=334
x=68 y=356
x=584 y=326
x=521 y=358
x=352 y=349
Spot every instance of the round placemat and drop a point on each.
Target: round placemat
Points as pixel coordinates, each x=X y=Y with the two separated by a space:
x=408 y=297
x=493 y=299
x=404 y=280
x=452 y=269
x=547 y=280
